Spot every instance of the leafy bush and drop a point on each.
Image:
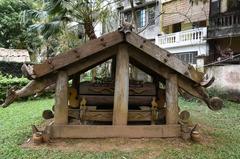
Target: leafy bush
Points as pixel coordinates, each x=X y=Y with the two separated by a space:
x=8 y=81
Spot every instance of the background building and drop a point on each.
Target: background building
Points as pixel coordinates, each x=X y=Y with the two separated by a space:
x=184 y=30
x=147 y=14
x=224 y=54
x=224 y=30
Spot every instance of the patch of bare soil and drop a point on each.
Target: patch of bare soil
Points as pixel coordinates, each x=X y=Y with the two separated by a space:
x=154 y=145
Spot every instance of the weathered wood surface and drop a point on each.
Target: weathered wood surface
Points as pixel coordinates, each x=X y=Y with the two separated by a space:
x=146 y=89
x=98 y=100
x=106 y=115
x=172 y=100
x=33 y=87
x=112 y=39
x=164 y=57
x=107 y=131
x=40 y=84
x=120 y=107
x=61 y=99
x=146 y=62
x=77 y=54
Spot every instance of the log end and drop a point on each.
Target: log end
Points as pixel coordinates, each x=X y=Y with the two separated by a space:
x=207 y=80
x=47 y=114
x=27 y=71
x=215 y=103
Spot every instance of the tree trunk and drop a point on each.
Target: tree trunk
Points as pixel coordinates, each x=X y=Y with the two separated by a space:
x=89 y=31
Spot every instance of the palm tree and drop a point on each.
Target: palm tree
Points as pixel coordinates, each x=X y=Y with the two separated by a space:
x=60 y=15
x=67 y=19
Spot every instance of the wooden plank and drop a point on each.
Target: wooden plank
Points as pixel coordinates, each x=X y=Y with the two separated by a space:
x=133 y=115
x=162 y=70
x=106 y=115
x=120 y=109
x=172 y=100
x=107 y=131
x=164 y=57
x=38 y=85
x=61 y=99
x=79 y=53
x=113 y=68
x=146 y=89
x=109 y=100
x=90 y=62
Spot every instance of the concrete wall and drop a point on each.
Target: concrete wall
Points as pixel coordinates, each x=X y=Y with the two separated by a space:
x=177 y=11
x=227 y=80
x=151 y=31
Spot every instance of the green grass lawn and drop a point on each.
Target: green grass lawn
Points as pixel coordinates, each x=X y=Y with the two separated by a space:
x=222 y=130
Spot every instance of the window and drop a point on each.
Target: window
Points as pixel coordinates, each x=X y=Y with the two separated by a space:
x=199 y=24
x=176 y=27
x=188 y=57
x=141 y=18
x=215 y=7
x=233 y=5
x=128 y=16
x=151 y=15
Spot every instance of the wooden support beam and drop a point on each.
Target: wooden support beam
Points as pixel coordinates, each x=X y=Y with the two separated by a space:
x=61 y=98
x=162 y=71
x=120 y=110
x=172 y=99
x=107 y=100
x=77 y=54
x=164 y=57
x=113 y=68
x=106 y=131
x=38 y=85
x=146 y=89
x=106 y=115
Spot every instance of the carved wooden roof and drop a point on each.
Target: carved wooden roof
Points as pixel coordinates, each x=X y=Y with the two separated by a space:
x=95 y=47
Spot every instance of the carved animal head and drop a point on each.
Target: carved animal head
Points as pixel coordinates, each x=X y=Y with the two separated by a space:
x=10 y=97
x=207 y=80
x=126 y=27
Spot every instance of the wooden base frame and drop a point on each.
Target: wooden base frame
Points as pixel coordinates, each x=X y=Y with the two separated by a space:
x=112 y=131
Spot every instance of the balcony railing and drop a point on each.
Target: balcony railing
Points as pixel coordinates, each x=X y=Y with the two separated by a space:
x=183 y=38
x=224 y=25
x=225 y=20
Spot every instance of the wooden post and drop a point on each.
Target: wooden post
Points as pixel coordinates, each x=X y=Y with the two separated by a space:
x=113 y=68
x=120 y=110
x=172 y=99
x=61 y=99
x=76 y=82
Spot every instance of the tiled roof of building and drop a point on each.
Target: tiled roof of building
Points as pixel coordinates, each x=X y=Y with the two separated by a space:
x=14 y=55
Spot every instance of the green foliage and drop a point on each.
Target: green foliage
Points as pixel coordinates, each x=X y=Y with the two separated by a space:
x=12 y=33
x=9 y=81
x=65 y=20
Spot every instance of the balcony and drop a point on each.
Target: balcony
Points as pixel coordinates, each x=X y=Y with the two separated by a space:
x=184 y=41
x=187 y=45
x=224 y=25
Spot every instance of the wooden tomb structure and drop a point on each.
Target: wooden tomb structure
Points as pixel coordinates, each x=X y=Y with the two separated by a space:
x=121 y=104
